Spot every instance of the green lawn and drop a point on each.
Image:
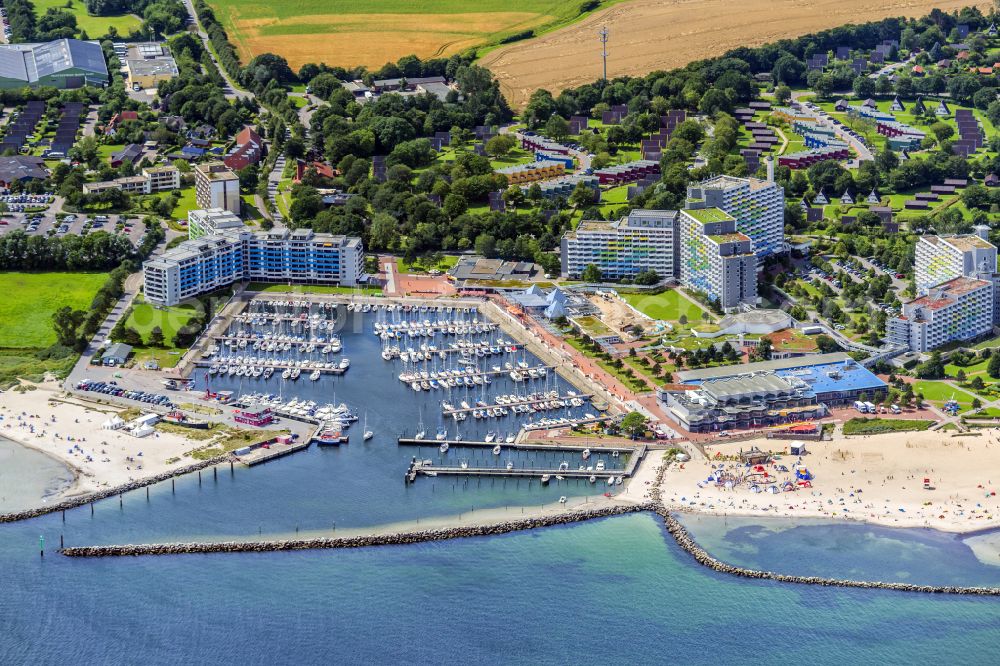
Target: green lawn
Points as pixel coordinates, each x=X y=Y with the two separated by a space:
x=312 y=289
x=867 y=426
x=32 y=298
x=424 y=264
x=938 y=393
x=970 y=370
x=668 y=305
x=94 y=26
x=185 y=204
x=145 y=317
x=105 y=149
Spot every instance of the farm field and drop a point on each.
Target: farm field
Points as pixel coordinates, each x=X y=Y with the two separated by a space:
x=94 y=26
x=697 y=29
x=31 y=300
x=372 y=33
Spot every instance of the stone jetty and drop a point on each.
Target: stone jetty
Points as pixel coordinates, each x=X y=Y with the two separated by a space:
x=397 y=539
x=75 y=502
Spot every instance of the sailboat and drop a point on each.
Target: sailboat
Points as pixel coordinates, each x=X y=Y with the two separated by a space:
x=368 y=434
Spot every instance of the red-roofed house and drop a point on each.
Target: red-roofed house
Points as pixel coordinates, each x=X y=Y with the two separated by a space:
x=249 y=150
x=322 y=169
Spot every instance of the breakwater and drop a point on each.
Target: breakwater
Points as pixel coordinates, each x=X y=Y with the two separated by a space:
x=397 y=539
x=75 y=502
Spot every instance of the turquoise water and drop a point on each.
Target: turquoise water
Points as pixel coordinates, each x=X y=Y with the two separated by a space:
x=29 y=477
x=616 y=589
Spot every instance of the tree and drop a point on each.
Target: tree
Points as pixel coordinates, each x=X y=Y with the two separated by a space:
x=156 y=337
x=863 y=86
x=976 y=403
x=500 y=145
x=977 y=383
x=556 y=128
x=782 y=94
x=592 y=273
x=634 y=424
x=960 y=376
x=993 y=369
x=66 y=321
x=582 y=195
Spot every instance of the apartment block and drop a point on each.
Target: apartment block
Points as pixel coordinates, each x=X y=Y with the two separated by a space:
x=644 y=240
x=959 y=309
x=716 y=259
x=215 y=261
x=217 y=186
x=163 y=178
x=941 y=258
x=152 y=179
x=211 y=222
x=757 y=205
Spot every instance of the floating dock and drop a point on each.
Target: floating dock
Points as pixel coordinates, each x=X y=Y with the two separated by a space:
x=520 y=403
x=417 y=467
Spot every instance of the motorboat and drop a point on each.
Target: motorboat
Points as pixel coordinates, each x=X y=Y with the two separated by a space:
x=545 y=479
x=444 y=447
x=496 y=450
x=592 y=479
x=441 y=435
x=586 y=454
x=491 y=436
x=315 y=375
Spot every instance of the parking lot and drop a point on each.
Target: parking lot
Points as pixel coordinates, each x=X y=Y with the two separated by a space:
x=53 y=224
x=111 y=388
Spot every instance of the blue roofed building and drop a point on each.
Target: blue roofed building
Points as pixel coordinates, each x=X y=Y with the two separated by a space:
x=767 y=393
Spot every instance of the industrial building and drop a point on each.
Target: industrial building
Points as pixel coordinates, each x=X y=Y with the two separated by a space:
x=767 y=393
x=62 y=63
x=148 y=63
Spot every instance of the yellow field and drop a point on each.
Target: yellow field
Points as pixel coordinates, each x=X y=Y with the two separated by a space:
x=373 y=32
x=647 y=35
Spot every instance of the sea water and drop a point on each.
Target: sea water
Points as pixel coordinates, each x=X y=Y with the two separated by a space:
x=28 y=478
x=614 y=589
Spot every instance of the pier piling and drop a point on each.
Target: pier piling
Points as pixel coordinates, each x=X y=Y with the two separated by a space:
x=173 y=486
x=199 y=478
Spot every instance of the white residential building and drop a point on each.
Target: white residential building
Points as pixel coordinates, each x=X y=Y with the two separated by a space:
x=211 y=262
x=644 y=240
x=758 y=206
x=942 y=258
x=217 y=186
x=211 y=221
x=959 y=309
x=716 y=259
x=152 y=179
x=165 y=177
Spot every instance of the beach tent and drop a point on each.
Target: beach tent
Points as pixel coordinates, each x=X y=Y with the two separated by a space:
x=797 y=448
x=141 y=431
x=114 y=423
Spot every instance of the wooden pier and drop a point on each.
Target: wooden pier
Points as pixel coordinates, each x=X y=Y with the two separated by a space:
x=417 y=467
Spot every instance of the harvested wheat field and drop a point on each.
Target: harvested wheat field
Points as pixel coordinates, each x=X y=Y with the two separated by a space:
x=374 y=32
x=647 y=35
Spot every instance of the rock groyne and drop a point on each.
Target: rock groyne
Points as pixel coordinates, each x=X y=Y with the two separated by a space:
x=366 y=541
x=74 y=502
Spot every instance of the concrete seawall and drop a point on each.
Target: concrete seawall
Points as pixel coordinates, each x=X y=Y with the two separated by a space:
x=75 y=502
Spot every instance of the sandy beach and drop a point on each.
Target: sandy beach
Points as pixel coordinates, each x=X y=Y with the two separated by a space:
x=877 y=479
x=69 y=430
